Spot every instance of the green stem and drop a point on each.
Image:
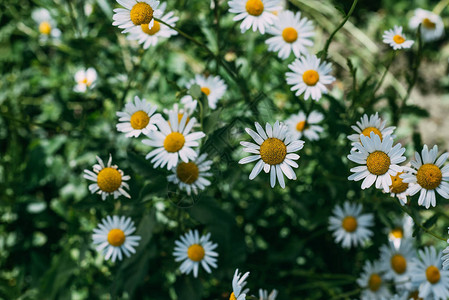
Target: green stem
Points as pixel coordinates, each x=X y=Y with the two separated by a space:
x=415 y=67
x=387 y=68
x=347 y=294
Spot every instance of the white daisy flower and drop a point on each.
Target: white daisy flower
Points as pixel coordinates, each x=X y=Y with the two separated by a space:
x=349 y=226
x=173 y=141
x=113 y=237
x=432 y=27
x=150 y=37
x=194 y=250
x=428 y=175
x=399 y=188
x=187 y=106
x=378 y=159
x=445 y=257
x=291 y=34
x=300 y=125
x=213 y=87
x=309 y=77
x=238 y=283
x=46 y=24
x=191 y=176
x=427 y=274
x=85 y=79
x=366 y=125
x=138 y=117
x=273 y=152
x=109 y=180
x=401 y=230
x=396 y=39
x=136 y=13
x=257 y=14
x=397 y=263
x=372 y=282
x=263 y=295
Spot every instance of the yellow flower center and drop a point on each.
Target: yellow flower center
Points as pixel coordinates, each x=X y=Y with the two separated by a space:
x=109 y=180
x=116 y=237
x=45 y=28
x=397 y=184
x=367 y=132
x=429 y=176
x=254 y=7
x=155 y=29
x=301 y=126
x=205 y=90
x=273 y=151
x=428 y=24
x=232 y=297
x=398 y=263
x=378 y=163
x=349 y=224
x=141 y=13
x=398 y=39
x=85 y=81
x=187 y=172
x=397 y=233
x=174 y=142
x=310 y=77
x=290 y=34
x=196 y=252
x=139 y=120
x=433 y=274
x=374 y=282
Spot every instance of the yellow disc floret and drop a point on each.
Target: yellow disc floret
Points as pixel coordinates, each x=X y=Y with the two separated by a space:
x=232 y=297
x=205 y=90
x=378 y=163
x=429 y=176
x=374 y=282
x=116 y=237
x=174 y=142
x=398 y=39
x=397 y=233
x=196 y=252
x=273 y=151
x=45 y=28
x=139 y=120
x=290 y=35
x=428 y=24
x=311 y=77
x=187 y=172
x=301 y=126
x=109 y=180
x=367 y=132
x=398 y=263
x=141 y=13
x=398 y=186
x=433 y=274
x=254 y=7
x=349 y=224
x=155 y=29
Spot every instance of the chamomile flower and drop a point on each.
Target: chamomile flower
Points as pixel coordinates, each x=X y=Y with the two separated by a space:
x=445 y=257
x=349 y=225
x=432 y=27
x=238 y=283
x=109 y=180
x=300 y=125
x=378 y=159
x=138 y=117
x=257 y=14
x=291 y=34
x=396 y=39
x=213 y=87
x=399 y=188
x=263 y=295
x=150 y=37
x=428 y=275
x=273 y=152
x=136 y=13
x=192 y=176
x=366 y=125
x=194 y=250
x=45 y=23
x=187 y=106
x=113 y=237
x=372 y=282
x=397 y=263
x=85 y=79
x=428 y=176
x=309 y=76
x=401 y=230
x=173 y=141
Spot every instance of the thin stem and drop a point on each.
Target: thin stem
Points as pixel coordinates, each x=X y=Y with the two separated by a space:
x=387 y=68
x=415 y=67
x=347 y=294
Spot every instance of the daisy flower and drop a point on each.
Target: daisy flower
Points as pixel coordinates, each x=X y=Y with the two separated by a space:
x=187 y=106
x=366 y=125
x=378 y=159
x=193 y=251
x=349 y=226
x=372 y=282
x=432 y=27
x=309 y=76
x=136 y=13
x=138 y=117
x=401 y=230
x=191 y=176
x=428 y=275
x=113 y=237
x=238 y=283
x=150 y=37
x=396 y=39
x=291 y=34
x=273 y=152
x=397 y=263
x=445 y=257
x=263 y=295
x=85 y=79
x=213 y=87
x=399 y=188
x=257 y=14
x=300 y=125
x=173 y=141
x=45 y=23
x=109 y=180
